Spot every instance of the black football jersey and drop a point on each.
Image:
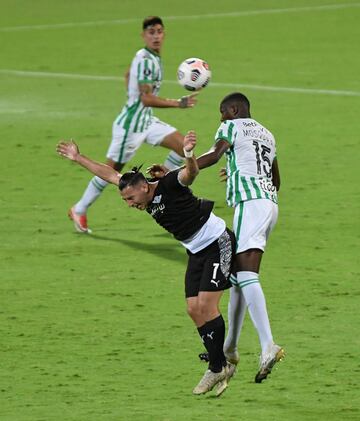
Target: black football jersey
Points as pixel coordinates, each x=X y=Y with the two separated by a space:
x=176 y=209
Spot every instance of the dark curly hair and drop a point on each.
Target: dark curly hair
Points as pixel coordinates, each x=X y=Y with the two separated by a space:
x=236 y=98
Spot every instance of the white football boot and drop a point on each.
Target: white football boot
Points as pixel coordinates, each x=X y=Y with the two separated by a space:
x=230 y=371
x=209 y=380
x=274 y=353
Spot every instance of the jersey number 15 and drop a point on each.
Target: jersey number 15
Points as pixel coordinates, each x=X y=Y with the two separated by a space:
x=262 y=159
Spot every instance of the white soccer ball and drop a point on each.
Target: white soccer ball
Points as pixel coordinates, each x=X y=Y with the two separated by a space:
x=193 y=74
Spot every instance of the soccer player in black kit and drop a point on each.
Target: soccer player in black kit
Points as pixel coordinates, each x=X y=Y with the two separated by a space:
x=209 y=244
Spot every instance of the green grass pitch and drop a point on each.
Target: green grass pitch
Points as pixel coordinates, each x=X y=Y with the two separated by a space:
x=94 y=327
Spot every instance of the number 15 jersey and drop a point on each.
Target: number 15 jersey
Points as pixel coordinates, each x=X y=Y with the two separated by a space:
x=249 y=160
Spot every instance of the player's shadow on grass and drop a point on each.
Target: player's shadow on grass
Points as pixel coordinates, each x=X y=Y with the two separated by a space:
x=160 y=250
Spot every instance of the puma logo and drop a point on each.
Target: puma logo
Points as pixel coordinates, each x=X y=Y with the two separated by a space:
x=210 y=335
x=215 y=282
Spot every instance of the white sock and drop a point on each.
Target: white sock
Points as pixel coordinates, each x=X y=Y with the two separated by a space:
x=255 y=300
x=173 y=161
x=92 y=192
x=236 y=314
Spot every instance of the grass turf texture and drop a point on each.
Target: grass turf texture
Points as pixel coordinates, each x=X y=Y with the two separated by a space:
x=94 y=327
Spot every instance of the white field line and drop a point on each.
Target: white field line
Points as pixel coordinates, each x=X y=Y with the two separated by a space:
x=174 y=18
x=76 y=76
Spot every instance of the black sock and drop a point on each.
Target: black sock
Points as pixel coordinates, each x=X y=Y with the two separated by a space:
x=213 y=334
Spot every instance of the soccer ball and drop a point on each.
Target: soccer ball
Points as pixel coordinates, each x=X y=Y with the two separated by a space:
x=193 y=74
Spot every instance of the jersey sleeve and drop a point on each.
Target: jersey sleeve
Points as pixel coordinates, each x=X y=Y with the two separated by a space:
x=171 y=181
x=145 y=71
x=227 y=131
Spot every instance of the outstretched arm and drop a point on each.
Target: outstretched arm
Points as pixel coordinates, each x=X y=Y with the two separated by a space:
x=188 y=174
x=205 y=160
x=150 y=100
x=214 y=154
x=71 y=151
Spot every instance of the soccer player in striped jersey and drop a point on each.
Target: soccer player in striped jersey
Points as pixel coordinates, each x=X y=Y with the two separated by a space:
x=136 y=123
x=253 y=180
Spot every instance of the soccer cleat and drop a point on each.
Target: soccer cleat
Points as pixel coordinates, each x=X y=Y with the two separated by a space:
x=204 y=356
x=80 y=221
x=230 y=371
x=209 y=380
x=232 y=357
x=273 y=354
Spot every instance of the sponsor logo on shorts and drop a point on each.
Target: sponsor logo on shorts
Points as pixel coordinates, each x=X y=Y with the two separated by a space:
x=215 y=282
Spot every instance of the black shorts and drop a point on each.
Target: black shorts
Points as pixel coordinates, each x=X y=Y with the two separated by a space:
x=210 y=268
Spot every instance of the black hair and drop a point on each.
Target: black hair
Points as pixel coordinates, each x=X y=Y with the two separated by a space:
x=236 y=98
x=151 y=21
x=131 y=178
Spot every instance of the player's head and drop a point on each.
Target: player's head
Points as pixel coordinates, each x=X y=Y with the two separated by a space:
x=153 y=33
x=235 y=105
x=134 y=189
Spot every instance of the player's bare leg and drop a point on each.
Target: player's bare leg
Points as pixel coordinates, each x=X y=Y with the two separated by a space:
x=94 y=189
x=175 y=142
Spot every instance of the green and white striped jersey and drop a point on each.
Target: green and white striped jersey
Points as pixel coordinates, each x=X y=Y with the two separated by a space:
x=145 y=68
x=248 y=160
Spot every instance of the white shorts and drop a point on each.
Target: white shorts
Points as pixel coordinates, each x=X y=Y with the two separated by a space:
x=253 y=222
x=124 y=144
